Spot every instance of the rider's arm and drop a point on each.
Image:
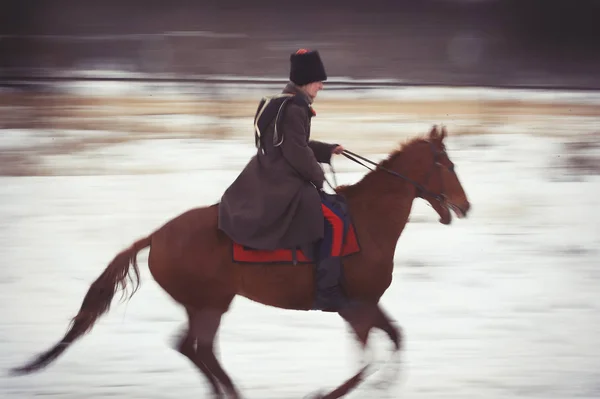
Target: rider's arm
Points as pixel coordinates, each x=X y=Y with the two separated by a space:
x=322 y=151
x=295 y=148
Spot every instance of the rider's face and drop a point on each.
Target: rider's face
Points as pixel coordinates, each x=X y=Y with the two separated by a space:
x=313 y=88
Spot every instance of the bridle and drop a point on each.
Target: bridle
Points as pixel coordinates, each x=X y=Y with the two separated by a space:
x=421 y=190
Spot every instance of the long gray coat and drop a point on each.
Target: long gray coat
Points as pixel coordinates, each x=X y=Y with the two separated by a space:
x=274 y=202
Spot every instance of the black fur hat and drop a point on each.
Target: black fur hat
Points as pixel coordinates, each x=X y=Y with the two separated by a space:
x=306 y=67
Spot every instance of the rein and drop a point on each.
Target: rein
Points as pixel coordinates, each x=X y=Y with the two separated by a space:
x=421 y=190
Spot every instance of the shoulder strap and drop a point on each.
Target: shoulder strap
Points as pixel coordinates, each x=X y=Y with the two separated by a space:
x=278 y=138
x=259 y=111
x=298 y=100
x=269 y=107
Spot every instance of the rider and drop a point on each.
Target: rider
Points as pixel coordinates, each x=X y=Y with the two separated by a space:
x=277 y=201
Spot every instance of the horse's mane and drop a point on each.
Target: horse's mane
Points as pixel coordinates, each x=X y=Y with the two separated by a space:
x=399 y=151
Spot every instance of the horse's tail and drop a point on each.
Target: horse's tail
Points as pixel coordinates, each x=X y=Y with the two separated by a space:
x=96 y=302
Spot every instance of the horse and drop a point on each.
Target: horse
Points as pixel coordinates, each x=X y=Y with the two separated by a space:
x=191 y=259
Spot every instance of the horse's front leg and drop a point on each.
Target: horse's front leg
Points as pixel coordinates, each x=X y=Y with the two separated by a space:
x=385 y=323
x=361 y=318
x=391 y=373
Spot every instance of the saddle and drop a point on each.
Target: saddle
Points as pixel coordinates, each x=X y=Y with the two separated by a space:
x=340 y=240
x=243 y=254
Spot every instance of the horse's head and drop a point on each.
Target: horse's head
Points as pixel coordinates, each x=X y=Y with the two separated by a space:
x=440 y=185
x=424 y=163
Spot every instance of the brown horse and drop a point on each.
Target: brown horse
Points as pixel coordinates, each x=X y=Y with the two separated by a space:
x=191 y=260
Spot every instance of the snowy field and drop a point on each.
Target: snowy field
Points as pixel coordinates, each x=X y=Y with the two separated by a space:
x=503 y=304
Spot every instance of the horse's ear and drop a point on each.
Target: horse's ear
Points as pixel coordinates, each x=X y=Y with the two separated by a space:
x=433 y=133
x=444 y=133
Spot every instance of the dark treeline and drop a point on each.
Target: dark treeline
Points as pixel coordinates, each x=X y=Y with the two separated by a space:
x=543 y=42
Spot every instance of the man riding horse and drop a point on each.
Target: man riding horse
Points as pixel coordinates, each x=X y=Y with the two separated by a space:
x=278 y=202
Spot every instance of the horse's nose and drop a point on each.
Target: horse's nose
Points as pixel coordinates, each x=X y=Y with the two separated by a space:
x=466 y=208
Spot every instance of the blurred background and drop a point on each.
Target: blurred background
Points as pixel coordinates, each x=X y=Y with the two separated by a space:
x=450 y=42
x=117 y=115
x=199 y=67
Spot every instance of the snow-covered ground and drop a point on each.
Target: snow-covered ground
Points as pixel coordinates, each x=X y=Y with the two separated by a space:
x=503 y=304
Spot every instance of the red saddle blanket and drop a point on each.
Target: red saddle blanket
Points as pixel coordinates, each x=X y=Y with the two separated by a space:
x=242 y=254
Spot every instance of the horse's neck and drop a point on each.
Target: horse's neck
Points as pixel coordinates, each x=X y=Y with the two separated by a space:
x=381 y=207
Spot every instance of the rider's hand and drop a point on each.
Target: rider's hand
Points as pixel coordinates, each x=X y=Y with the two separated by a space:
x=338 y=150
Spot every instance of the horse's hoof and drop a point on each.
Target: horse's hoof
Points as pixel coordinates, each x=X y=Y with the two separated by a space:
x=382 y=385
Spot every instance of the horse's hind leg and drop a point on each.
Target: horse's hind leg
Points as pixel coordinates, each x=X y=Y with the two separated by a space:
x=204 y=324
x=186 y=345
